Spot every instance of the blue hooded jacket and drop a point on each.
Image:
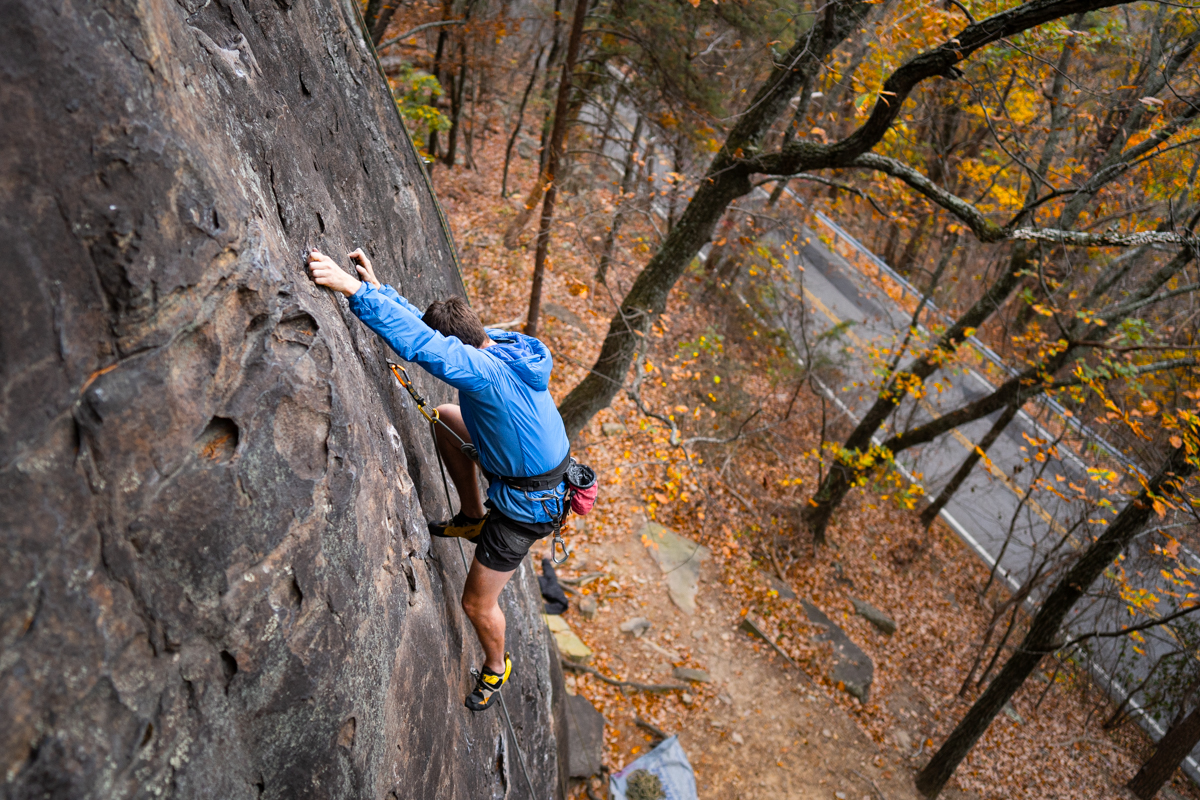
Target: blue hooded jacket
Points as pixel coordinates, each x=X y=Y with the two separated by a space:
x=502 y=390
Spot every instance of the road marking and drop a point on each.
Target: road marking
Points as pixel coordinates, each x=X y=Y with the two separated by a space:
x=958 y=436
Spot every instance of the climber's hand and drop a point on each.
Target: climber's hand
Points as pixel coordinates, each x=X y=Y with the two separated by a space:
x=326 y=272
x=364 y=267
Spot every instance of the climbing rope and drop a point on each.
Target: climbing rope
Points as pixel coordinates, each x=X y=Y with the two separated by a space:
x=402 y=376
x=435 y=419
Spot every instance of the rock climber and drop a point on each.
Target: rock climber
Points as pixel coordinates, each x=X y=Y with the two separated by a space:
x=505 y=410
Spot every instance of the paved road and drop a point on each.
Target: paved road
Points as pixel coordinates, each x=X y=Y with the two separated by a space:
x=991 y=511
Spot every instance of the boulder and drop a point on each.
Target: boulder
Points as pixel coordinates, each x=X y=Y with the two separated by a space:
x=694 y=675
x=612 y=429
x=780 y=588
x=636 y=625
x=586 y=726
x=679 y=560
x=218 y=581
x=852 y=668
x=874 y=616
x=569 y=643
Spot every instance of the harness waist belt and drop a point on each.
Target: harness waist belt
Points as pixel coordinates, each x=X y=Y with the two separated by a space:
x=534 y=483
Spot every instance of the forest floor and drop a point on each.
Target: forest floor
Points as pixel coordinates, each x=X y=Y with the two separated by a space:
x=762 y=728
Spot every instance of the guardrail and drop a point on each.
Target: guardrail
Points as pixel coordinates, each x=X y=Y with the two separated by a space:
x=1190 y=764
x=983 y=349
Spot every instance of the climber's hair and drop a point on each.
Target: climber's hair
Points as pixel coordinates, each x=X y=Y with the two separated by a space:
x=453 y=317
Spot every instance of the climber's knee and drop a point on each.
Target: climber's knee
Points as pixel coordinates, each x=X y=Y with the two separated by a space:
x=451 y=415
x=473 y=605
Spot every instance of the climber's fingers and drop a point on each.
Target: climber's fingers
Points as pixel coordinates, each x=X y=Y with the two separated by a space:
x=364 y=267
x=326 y=272
x=315 y=256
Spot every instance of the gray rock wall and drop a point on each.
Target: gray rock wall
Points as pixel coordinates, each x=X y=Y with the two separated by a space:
x=216 y=579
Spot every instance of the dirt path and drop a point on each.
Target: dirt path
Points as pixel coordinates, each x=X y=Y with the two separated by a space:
x=760 y=729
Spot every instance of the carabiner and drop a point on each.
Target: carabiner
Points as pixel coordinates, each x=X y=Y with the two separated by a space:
x=402 y=377
x=558 y=540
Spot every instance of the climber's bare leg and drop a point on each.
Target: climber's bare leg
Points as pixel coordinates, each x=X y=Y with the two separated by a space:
x=480 y=594
x=461 y=468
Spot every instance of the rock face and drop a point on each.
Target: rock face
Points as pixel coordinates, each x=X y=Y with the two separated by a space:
x=587 y=737
x=217 y=580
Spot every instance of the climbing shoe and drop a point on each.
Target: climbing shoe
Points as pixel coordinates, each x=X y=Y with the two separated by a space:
x=461 y=527
x=487 y=685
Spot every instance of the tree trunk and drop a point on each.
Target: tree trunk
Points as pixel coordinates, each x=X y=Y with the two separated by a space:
x=935 y=508
x=554 y=160
x=789 y=133
x=371 y=15
x=610 y=239
x=1172 y=750
x=609 y=117
x=383 y=17
x=677 y=169
x=512 y=140
x=513 y=234
x=458 y=87
x=893 y=241
x=1043 y=636
x=724 y=181
x=470 y=137
x=436 y=71
x=909 y=255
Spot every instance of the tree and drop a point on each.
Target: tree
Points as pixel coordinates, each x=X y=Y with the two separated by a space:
x=1170 y=753
x=1030 y=262
x=1043 y=636
x=550 y=191
x=1079 y=334
x=742 y=156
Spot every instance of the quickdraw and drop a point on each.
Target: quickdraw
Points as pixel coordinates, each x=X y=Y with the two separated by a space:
x=431 y=413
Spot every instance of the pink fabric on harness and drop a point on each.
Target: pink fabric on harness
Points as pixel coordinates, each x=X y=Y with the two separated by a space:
x=582 y=500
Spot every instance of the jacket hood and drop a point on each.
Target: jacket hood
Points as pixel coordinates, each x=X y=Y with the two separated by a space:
x=525 y=355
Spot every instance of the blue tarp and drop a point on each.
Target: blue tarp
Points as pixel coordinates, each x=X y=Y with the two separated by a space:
x=669 y=763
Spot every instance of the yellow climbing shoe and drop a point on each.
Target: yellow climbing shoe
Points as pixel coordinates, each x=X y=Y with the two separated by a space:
x=461 y=527
x=487 y=684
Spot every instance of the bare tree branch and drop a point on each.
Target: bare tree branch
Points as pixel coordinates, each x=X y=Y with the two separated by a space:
x=1154 y=623
x=418 y=29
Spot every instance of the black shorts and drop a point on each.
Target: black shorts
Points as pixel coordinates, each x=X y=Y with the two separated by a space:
x=503 y=542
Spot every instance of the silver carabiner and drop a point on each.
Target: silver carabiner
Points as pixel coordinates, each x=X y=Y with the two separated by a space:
x=558 y=540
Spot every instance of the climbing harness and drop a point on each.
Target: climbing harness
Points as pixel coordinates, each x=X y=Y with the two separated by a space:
x=581 y=489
